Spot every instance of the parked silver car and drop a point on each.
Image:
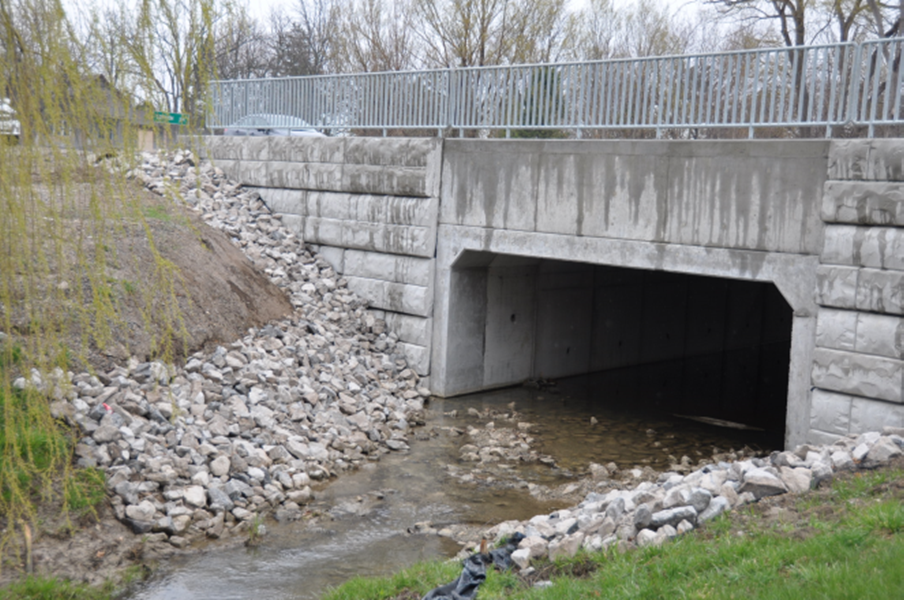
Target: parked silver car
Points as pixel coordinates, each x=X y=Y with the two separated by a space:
x=10 y=126
x=264 y=124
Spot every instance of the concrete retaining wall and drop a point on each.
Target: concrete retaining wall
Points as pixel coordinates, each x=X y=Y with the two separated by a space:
x=756 y=195
x=858 y=365
x=369 y=206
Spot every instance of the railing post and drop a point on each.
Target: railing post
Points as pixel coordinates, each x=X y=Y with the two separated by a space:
x=855 y=86
x=450 y=97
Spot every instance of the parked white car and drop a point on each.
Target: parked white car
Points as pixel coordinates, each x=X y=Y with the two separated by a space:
x=9 y=125
x=264 y=124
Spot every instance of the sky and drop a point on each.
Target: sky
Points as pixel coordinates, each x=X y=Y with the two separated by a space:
x=261 y=8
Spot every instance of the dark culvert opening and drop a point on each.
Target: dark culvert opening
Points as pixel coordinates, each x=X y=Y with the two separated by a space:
x=688 y=345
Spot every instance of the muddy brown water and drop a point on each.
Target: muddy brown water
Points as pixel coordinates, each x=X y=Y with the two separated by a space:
x=371 y=509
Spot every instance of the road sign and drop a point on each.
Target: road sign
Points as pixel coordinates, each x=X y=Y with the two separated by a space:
x=171 y=118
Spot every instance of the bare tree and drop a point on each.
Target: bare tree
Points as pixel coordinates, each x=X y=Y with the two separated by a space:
x=304 y=42
x=887 y=18
x=106 y=47
x=847 y=16
x=647 y=28
x=464 y=33
x=241 y=46
x=378 y=35
x=790 y=16
x=650 y=28
x=171 y=44
x=539 y=31
x=599 y=29
x=469 y=33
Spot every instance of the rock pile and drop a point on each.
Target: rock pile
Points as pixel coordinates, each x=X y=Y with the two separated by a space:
x=491 y=451
x=654 y=512
x=245 y=429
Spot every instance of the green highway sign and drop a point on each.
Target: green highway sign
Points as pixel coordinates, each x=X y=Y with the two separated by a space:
x=172 y=118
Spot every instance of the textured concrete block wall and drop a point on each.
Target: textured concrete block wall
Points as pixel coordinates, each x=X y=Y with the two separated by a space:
x=858 y=364
x=369 y=205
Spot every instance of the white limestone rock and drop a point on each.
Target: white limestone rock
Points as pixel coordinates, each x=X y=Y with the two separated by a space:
x=761 y=483
x=797 y=480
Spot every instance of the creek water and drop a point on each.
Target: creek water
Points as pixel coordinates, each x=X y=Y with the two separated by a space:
x=370 y=510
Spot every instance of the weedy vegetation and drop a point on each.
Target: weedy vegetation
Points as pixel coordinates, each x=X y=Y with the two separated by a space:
x=64 y=197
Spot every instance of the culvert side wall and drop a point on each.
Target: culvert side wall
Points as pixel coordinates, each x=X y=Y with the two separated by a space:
x=729 y=339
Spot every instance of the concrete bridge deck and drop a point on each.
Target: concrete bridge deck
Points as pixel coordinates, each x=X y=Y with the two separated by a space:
x=499 y=261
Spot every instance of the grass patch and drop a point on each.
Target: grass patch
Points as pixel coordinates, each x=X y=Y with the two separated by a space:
x=886 y=517
x=10 y=355
x=849 y=546
x=160 y=212
x=49 y=588
x=156 y=212
x=86 y=490
x=130 y=287
x=35 y=458
x=865 y=483
x=32 y=445
x=413 y=581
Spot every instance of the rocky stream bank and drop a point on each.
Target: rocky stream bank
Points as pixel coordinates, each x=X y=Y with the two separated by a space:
x=637 y=510
x=205 y=449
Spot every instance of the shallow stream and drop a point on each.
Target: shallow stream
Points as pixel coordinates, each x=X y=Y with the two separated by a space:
x=372 y=508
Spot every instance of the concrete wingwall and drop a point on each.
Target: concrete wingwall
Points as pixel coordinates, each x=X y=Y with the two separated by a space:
x=369 y=206
x=858 y=364
x=496 y=260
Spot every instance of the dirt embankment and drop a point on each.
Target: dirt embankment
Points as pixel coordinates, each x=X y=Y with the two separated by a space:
x=220 y=292
x=155 y=252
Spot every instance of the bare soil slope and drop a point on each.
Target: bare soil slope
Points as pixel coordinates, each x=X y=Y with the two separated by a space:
x=165 y=261
x=220 y=292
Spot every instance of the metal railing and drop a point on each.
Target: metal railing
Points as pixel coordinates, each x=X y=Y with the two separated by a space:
x=817 y=87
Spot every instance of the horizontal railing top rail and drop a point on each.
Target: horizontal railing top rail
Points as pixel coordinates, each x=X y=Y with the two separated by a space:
x=815 y=89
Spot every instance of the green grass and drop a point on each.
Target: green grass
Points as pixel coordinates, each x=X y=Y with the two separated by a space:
x=856 y=553
x=10 y=355
x=863 y=482
x=163 y=213
x=86 y=490
x=30 y=447
x=852 y=562
x=885 y=517
x=156 y=212
x=48 y=588
x=129 y=287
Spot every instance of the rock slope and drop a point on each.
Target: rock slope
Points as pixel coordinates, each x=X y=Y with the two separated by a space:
x=653 y=512
x=241 y=431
